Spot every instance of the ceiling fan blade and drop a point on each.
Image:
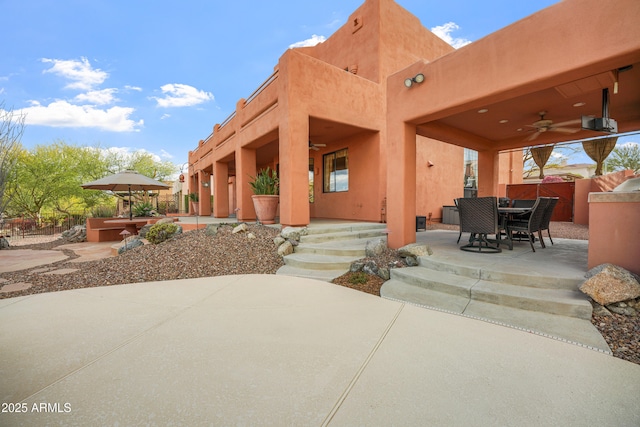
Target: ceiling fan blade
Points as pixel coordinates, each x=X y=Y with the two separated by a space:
x=565 y=130
x=567 y=123
x=320 y=145
x=314 y=148
x=534 y=136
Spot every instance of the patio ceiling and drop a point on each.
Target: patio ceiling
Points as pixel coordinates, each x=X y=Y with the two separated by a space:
x=507 y=124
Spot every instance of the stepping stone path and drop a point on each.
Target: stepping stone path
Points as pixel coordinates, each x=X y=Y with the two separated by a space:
x=13 y=287
x=61 y=271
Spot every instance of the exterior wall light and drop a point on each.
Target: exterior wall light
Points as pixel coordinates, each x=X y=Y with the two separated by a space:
x=419 y=78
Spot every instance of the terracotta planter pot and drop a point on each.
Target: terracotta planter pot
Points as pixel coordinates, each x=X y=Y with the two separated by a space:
x=194 y=208
x=266 y=208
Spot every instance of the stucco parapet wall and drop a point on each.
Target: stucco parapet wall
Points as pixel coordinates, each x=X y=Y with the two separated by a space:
x=615 y=197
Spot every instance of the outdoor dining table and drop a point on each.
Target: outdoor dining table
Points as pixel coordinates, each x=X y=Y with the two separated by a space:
x=131 y=225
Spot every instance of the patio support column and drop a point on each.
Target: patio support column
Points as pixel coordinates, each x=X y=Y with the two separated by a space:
x=401 y=184
x=204 y=206
x=488 y=168
x=245 y=169
x=294 y=169
x=220 y=190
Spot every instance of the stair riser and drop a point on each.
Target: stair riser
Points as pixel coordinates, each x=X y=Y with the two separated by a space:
x=330 y=251
x=317 y=265
x=461 y=290
x=319 y=238
x=580 y=311
x=543 y=282
x=345 y=228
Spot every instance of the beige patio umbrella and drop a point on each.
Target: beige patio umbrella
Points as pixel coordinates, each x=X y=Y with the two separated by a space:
x=127 y=180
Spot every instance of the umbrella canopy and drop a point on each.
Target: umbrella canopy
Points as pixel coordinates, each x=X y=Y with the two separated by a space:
x=125 y=181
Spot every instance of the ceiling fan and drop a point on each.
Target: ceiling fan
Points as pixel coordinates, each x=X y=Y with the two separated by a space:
x=544 y=125
x=313 y=146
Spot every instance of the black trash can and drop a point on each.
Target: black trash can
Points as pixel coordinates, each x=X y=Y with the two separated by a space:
x=421 y=223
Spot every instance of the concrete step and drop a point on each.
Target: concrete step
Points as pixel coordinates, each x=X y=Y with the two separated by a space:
x=323 y=275
x=344 y=227
x=402 y=291
x=552 y=301
x=503 y=274
x=343 y=235
x=311 y=261
x=355 y=247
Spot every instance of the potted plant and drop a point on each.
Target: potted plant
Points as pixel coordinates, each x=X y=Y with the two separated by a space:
x=193 y=202
x=265 y=186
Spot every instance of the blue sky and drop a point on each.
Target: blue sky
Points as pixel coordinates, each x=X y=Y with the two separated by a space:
x=156 y=76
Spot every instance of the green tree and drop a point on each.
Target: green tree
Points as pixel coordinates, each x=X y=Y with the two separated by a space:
x=11 y=129
x=140 y=161
x=49 y=176
x=624 y=157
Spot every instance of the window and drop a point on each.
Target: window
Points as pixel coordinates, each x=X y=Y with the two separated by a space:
x=336 y=171
x=470 y=173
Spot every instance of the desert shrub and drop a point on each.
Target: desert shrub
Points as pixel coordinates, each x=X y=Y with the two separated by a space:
x=104 y=211
x=358 y=278
x=143 y=209
x=158 y=233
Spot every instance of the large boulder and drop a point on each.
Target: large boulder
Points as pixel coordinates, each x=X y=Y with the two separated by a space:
x=375 y=247
x=240 y=228
x=144 y=230
x=611 y=284
x=211 y=229
x=293 y=233
x=4 y=243
x=285 y=249
x=75 y=234
x=414 y=250
x=167 y=220
x=131 y=243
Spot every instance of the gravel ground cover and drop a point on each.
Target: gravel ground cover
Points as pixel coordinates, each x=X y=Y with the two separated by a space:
x=195 y=254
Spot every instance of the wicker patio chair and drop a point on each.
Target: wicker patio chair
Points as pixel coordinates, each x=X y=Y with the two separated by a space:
x=532 y=224
x=546 y=218
x=479 y=216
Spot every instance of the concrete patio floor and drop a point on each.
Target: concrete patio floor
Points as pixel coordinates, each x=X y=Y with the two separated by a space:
x=277 y=350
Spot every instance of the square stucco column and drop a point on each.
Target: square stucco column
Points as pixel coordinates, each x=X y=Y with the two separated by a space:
x=294 y=170
x=401 y=185
x=204 y=207
x=221 y=190
x=245 y=169
x=488 y=167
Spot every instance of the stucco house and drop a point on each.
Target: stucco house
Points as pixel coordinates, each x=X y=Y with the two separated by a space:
x=380 y=120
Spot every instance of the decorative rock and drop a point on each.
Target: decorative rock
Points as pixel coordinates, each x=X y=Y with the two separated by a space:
x=384 y=273
x=240 y=228
x=251 y=236
x=293 y=242
x=76 y=234
x=622 y=308
x=293 y=233
x=411 y=261
x=370 y=267
x=375 y=247
x=415 y=250
x=278 y=240
x=131 y=243
x=285 y=249
x=211 y=229
x=4 y=243
x=599 y=310
x=610 y=285
x=356 y=266
x=167 y=220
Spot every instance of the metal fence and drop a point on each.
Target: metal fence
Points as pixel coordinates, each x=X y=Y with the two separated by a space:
x=45 y=225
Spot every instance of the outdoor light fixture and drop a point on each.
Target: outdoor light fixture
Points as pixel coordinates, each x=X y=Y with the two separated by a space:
x=419 y=78
x=205 y=184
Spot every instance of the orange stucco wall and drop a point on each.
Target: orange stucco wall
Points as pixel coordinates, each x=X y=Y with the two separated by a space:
x=616 y=239
x=583 y=187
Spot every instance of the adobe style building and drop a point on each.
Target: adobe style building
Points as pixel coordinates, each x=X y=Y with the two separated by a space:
x=356 y=133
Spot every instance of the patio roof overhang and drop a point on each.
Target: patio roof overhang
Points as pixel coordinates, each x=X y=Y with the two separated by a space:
x=488 y=94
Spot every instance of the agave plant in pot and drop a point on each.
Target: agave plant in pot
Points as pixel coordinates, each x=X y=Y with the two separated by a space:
x=265 y=186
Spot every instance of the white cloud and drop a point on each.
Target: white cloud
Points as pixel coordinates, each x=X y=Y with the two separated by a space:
x=165 y=155
x=127 y=153
x=135 y=88
x=444 y=32
x=626 y=144
x=314 y=40
x=63 y=114
x=181 y=95
x=98 y=97
x=80 y=72
x=165 y=116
